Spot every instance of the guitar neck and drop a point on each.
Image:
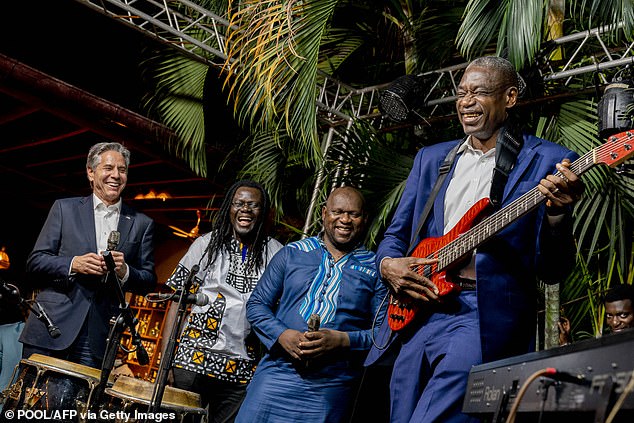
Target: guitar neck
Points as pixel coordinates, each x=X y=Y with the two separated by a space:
x=478 y=234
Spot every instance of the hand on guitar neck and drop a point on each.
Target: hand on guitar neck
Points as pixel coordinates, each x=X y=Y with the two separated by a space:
x=561 y=189
x=404 y=280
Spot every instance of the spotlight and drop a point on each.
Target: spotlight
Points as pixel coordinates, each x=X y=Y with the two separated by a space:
x=615 y=108
x=403 y=94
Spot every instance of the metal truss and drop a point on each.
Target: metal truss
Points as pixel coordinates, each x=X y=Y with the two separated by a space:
x=202 y=35
x=587 y=52
x=178 y=23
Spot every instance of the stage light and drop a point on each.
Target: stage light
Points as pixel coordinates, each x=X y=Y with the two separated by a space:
x=615 y=109
x=401 y=97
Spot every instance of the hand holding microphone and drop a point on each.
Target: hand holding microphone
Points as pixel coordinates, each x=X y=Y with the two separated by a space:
x=108 y=255
x=113 y=240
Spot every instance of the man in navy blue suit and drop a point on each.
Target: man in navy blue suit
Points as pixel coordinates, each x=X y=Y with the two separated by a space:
x=494 y=314
x=68 y=264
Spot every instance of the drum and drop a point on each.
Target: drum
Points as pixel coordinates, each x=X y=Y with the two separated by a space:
x=51 y=388
x=128 y=400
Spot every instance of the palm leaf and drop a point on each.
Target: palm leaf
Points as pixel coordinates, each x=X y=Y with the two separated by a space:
x=274 y=63
x=178 y=102
x=482 y=20
x=601 y=12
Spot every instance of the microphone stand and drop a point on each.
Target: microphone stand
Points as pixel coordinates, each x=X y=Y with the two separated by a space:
x=168 y=354
x=117 y=327
x=40 y=313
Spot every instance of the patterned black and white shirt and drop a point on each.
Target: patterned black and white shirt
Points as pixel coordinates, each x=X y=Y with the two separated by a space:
x=213 y=341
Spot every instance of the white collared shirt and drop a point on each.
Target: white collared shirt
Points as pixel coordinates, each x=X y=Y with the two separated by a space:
x=106 y=221
x=470 y=183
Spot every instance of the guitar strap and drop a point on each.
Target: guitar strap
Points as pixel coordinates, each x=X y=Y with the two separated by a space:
x=443 y=171
x=507 y=148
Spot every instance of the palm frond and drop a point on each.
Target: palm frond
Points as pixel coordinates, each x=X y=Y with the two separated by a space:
x=178 y=102
x=481 y=21
x=274 y=63
x=337 y=46
x=601 y=12
x=521 y=31
x=266 y=159
x=518 y=25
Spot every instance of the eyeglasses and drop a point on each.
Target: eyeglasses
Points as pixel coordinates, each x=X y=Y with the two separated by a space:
x=251 y=205
x=480 y=92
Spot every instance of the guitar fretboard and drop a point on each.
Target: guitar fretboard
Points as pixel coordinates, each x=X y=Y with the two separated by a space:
x=472 y=238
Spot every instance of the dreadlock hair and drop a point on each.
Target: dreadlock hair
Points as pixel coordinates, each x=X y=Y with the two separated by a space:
x=222 y=230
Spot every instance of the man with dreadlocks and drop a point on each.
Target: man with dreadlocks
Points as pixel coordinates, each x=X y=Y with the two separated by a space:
x=215 y=356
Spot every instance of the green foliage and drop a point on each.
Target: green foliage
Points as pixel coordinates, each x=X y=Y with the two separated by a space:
x=603 y=221
x=177 y=102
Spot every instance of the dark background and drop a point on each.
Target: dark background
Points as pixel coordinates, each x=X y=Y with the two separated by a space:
x=44 y=138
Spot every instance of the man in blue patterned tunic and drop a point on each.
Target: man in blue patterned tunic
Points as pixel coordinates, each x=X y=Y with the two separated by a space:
x=215 y=356
x=312 y=376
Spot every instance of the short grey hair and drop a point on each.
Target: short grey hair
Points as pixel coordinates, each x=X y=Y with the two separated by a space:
x=501 y=66
x=94 y=154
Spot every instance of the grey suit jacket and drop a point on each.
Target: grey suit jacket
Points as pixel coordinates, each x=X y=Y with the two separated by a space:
x=70 y=301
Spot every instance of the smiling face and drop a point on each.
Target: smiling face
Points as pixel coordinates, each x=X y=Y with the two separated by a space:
x=344 y=220
x=109 y=177
x=483 y=99
x=619 y=315
x=245 y=213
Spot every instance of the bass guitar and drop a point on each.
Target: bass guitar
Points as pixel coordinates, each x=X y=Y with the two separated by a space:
x=475 y=228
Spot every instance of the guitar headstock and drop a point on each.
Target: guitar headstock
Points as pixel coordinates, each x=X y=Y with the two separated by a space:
x=616 y=150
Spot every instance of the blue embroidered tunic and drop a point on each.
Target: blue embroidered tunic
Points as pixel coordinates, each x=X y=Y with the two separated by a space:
x=302 y=279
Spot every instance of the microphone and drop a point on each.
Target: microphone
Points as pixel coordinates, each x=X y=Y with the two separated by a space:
x=52 y=329
x=110 y=265
x=313 y=322
x=107 y=257
x=197 y=299
x=113 y=240
x=141 y=354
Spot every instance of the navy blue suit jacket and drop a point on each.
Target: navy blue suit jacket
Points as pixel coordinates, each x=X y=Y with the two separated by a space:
x=69 y=231
x=507 y=265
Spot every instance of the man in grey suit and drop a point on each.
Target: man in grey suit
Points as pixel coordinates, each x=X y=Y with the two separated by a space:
x=67 y=262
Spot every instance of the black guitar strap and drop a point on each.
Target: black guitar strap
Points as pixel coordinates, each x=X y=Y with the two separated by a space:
x=443 y=171
x=507 y=148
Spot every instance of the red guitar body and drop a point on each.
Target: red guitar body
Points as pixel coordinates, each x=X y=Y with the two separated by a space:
x=401 y=311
